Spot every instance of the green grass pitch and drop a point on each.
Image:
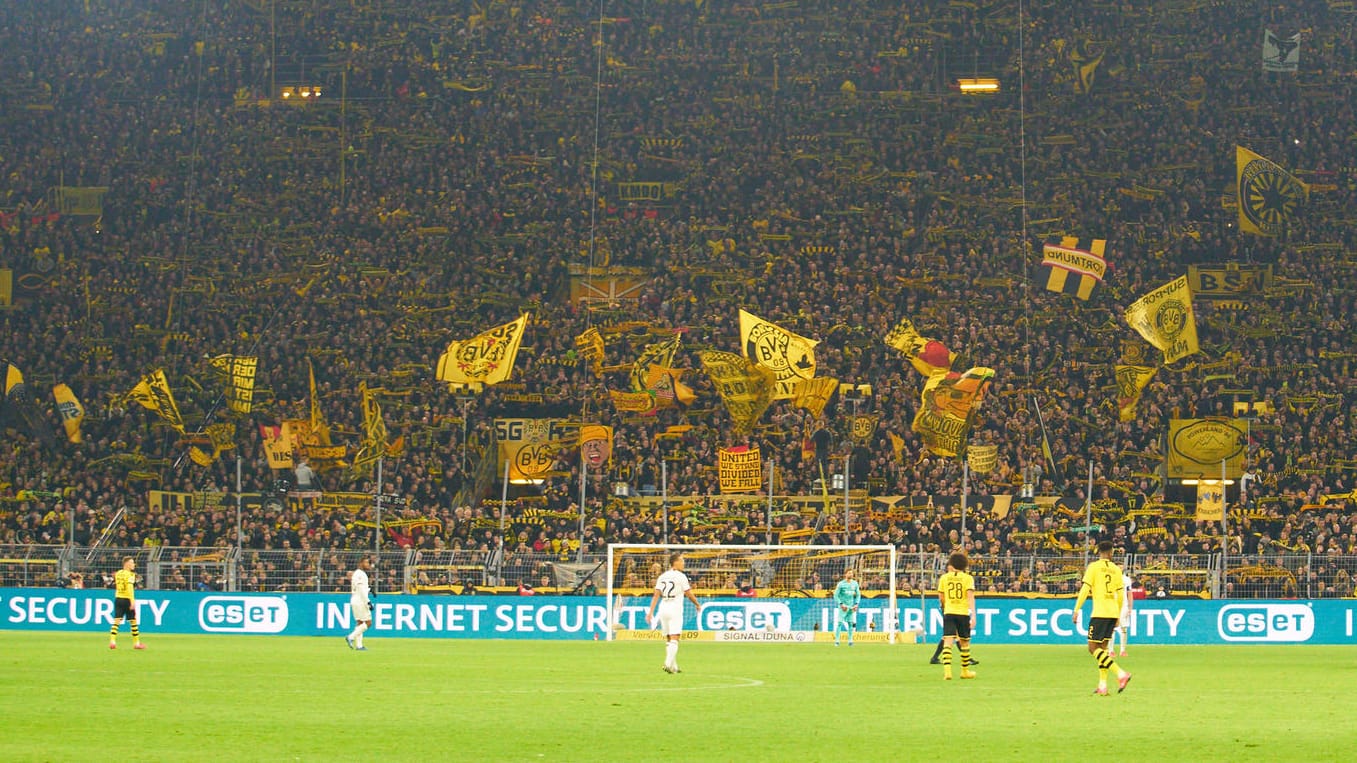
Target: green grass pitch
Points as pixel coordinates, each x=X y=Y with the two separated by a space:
x=190 y=698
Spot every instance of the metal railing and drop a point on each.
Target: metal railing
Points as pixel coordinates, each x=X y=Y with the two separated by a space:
x=225 y=568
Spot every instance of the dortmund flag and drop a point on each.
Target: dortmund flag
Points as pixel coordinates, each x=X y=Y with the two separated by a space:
x=664 y=384
x=1268 y=195
x=928 y=356
x=487 y=358
x=1131 y=381
x=1067 y=268
x=791 y=357
x=239 y=372
x=1165 y=318
x=655 y=354
x=320 y=430
x=747 y=389
x=983 y=458
x=153 y=393
x=277 y=446
x=70 y=410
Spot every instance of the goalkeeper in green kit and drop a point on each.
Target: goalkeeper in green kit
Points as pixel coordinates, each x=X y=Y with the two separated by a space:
x=847 y=595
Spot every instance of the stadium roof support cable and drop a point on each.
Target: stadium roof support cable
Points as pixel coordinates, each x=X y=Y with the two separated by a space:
x=1022 y=153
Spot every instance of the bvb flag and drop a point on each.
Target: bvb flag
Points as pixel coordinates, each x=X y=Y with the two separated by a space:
x=928 y=356
x=70 y=410
x=746 y=389
x=982 y=458
x=486 y=358
x=374 y=432
x=14 y=383
x=813 y=394
x=1068 y=269
x=1165 y=318
x=739 y=469
x=591 y=348
x=277 y=446
x=1268 y=195
x=1210 y=502
x=791 y=357
x=153 y=393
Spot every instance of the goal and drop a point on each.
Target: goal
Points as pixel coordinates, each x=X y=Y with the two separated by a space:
x=774 y=589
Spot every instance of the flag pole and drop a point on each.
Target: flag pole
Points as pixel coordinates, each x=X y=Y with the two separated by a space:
x=664 y=496
x=584 y=472
x=768 y=521
x=1224 y=532
x=965 y=489
x=504 y=497
x=1088 y=512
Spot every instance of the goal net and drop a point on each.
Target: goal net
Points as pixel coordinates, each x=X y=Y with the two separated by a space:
x=775 y=589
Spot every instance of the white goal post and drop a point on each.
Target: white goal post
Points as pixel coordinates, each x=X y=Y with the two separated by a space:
x=782 y=591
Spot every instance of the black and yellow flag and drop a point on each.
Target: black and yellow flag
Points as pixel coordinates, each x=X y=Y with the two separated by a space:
x=791 y=357
x=928 y=356
x=1131 y=381
x=982 y=458
x=374 y=442
x=319 y=430
x=1085 y=56
x=222 y=436
x=1165 y=318
x=590 y=347
x=1210 y=501
x=14 y=383
x=238 y=371
x=1268 y=195
x=945 y=415
x=1068 y=269
x=655 y=354
x=485 y=359
x=739 y=469
x=70 y=410
x=153 y=393
x=1197 y=448
x=746 y=389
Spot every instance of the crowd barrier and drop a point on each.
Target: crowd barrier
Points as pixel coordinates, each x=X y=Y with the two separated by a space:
x=998 y=621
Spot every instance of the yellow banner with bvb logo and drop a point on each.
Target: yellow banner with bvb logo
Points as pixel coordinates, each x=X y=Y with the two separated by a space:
x=487 y=358
x=70 y=410
x=791 y=357
x=740 y=469
x=1166 y=320
x=153 y=393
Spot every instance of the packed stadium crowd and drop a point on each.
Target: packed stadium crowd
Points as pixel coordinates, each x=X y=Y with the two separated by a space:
x=817 y=167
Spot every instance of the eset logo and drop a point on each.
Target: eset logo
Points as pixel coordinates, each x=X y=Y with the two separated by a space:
x=745 y=616
x=243 y=614
x=1277 y=623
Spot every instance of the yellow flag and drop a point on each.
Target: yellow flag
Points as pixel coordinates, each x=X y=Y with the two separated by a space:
x=897 y=447
x=1198 y=447
x=487 y=358
x=1166 y=320
x=791 y=357
x=1268 y=195
x=374 y=432
x=664 y=384
x=153 y=393
x=1210 y=501
x=813 y=394
x=746 y=389
x=1131 y=381
x=928 y=356
x=633 y=402
x=70 y=410
x=277 y=446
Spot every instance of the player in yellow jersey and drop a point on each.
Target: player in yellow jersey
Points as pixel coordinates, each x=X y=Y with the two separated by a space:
x=1103 y=583
x=124 y=603
x=956 y=596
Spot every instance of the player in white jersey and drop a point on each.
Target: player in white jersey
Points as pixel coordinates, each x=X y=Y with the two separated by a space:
x=360 y=602
x=1124 y=621
x=670 y=589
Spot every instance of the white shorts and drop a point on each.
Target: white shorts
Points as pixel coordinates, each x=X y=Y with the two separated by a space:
x=671 y=621
x=361 y=611
x=1125 y=620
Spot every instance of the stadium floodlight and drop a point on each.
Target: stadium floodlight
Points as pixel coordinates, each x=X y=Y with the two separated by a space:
x=782 y=572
